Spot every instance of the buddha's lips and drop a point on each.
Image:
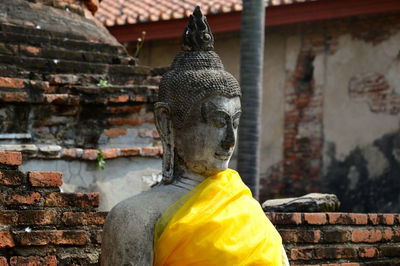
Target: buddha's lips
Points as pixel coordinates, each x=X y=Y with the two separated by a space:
x=223 y=156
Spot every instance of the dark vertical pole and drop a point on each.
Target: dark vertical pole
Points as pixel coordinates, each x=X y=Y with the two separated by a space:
x=251 y=75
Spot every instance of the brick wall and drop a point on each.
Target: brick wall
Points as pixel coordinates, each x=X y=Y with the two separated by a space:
x=39 y=225
x=346 y=239
x=67 y=88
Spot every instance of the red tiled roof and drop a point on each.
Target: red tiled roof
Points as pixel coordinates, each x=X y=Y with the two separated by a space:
x=122 y=12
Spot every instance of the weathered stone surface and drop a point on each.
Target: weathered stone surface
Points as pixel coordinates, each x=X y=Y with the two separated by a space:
x=313 y=202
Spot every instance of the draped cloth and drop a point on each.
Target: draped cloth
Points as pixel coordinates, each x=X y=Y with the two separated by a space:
x=217 y=223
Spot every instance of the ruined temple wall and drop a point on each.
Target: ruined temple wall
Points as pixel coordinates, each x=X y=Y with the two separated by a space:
x=330 y=114
x=39 y=224
x=67 y=87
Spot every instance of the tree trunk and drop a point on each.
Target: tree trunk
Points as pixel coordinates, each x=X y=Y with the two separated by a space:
x=251 y=72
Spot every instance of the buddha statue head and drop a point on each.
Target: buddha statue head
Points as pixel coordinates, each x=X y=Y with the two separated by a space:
x=198 y=109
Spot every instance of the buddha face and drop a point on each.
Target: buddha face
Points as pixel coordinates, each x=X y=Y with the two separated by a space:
x=206 y=143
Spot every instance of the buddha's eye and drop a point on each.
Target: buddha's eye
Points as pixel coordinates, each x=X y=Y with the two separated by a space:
x=218 y=121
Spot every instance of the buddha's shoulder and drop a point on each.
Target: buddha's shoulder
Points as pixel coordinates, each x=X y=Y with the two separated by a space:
x=147 y=205
x=129 y=228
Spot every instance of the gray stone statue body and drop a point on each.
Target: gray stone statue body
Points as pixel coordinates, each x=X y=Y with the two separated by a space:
x=197 y=117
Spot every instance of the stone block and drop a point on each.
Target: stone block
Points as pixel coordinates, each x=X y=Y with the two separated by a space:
x=313 y=202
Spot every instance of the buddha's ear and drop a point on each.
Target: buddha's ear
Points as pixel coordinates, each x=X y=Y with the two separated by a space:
x=162 y=113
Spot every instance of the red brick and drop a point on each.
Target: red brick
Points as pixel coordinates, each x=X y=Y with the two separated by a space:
x=45 y=179
x=130 y=121
x=300 y=236
x=10 y=158
x=367 y=252
x=334 y=236
x=37 y=217
x=29 y=50
x=348 y=218
x=385 y=218
x=334 y=253
x=396 y=235
x=286 y=218
x=350 y=264
x=302 y=253
x=65 y=99
x=14 y=83
x=22 y=197
x=70 y=153
x=18 y=97
x=127 y=152
x=3 y=261
x=373 y=218
x=115 y=132
x=364 y=235
x=55 y=237
x=124 y=109
x=11 y=177
x=89 y=154
x=110 y=153
x=33 y=261
x=40 y=85
x=83 y=218
x=390 y=250
x=138 y=98
x=119 y=99
x=6 y=240
x=315 y=218
x=8 y=217
x=387 y=234
x=87 y=200
x=28 y=217
x=150 y=151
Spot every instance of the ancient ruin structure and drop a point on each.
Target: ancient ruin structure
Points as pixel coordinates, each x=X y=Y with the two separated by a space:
x=67 y=87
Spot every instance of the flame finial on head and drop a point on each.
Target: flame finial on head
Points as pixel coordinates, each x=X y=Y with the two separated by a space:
x=197 y=35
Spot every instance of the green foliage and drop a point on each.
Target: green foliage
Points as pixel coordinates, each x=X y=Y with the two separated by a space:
x=139 y=44
x=104 y=83
x=100 y=160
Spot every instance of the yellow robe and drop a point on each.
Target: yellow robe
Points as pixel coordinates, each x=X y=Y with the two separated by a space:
x=217 y=223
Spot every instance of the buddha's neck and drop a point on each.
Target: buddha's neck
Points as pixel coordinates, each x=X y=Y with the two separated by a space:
x=188 y=179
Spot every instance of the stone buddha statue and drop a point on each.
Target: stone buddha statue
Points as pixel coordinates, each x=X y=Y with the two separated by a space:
x=197 y=116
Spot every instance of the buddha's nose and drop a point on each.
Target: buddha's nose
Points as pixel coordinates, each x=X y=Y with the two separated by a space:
x=230 y=139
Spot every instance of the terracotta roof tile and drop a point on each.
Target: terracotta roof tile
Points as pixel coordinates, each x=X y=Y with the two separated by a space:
x=121 y=12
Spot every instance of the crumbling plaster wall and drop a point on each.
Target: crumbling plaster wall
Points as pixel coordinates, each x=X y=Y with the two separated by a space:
x=349 y=122
x=362 y=124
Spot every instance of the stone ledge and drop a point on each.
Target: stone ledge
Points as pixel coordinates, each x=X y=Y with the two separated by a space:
x=33 y=151
x=333 y=218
